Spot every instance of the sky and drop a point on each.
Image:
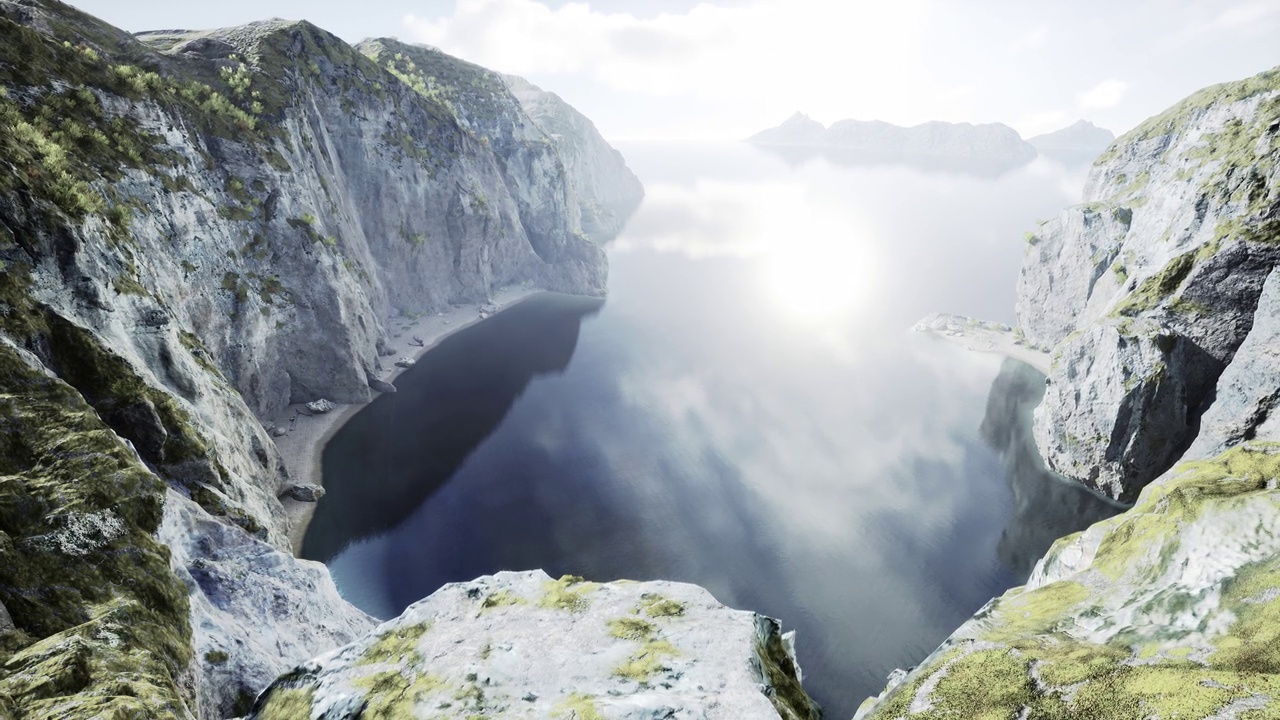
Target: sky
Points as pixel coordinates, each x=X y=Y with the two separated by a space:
x=724 y=69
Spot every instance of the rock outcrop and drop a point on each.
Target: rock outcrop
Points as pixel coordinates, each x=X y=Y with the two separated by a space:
x=959 y=141
x=1159 y=302
x=1144 y=293
x=524 y=645
x=198 y=229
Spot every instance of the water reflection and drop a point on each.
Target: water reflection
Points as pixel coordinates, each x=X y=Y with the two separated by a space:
x=397 y=451
x=1045 y=505
x=986 y=168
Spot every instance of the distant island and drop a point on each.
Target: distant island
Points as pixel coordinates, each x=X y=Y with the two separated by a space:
x=1080 y=142
x=988 y=142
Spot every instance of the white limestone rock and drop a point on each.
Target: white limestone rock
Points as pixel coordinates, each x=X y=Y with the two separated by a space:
x=524 y=645
x=1120 y=405
x=607 y=191
x=1248 y=392
x=320 y=407
x=255 y=611
x=1178 y=231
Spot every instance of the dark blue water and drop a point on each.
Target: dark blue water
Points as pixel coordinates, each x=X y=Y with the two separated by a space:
x=748 y=411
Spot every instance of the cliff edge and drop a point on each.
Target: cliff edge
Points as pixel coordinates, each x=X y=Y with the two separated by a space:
x=1158 y=302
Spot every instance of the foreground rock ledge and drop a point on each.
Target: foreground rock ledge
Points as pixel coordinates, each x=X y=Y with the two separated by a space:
x=524 y=645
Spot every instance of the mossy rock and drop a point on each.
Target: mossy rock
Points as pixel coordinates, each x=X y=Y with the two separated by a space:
x=1024 y=656
x=80 y=571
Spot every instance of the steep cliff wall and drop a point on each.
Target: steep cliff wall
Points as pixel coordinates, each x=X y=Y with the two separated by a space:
x=1144 y=293
x=607 y=190
x=1159 y=300
x=196 y=230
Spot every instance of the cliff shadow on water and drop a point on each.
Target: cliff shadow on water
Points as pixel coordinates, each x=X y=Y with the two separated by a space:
x=1046 y=506
x=398 y=450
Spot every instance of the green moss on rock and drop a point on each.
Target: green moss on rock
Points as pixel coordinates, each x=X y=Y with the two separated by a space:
x=577 y=707
x=787 y=696
x=656 y=606
x=398 y=647
x=80 y=571
x=569 y=593
x=631 y=628
x=647 y=661
x=285 y=703
x=1025 y=653
x=1157 y=288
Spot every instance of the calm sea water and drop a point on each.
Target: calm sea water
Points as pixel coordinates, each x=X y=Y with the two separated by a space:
x=748 y=411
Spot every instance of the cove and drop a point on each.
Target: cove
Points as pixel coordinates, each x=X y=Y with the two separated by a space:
x=747 y=411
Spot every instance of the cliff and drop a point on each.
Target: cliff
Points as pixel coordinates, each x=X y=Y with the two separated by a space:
x=1158 y=302
x=198 y=229
x=607 y=190
x=989 y=141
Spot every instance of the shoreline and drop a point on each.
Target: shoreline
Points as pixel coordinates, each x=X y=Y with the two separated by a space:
x=306 y=435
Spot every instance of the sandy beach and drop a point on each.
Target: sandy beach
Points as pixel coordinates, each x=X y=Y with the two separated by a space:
x=306 y=435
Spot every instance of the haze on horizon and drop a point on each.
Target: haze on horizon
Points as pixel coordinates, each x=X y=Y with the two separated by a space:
x=724 y=69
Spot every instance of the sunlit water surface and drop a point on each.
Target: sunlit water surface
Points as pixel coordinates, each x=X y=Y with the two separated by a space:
x=748 y=411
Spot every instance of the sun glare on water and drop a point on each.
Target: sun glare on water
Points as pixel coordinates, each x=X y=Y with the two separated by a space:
x=818 y=278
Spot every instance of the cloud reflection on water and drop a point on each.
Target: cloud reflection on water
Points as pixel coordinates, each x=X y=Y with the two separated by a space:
x=829 y=474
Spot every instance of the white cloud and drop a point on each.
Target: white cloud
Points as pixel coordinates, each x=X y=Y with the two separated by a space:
x=1032 y=39
x=792 y=54
x=1246 y=14
x=959 y=92
x=1106 y=94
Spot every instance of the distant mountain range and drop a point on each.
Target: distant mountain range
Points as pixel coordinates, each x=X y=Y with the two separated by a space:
x=957 y=141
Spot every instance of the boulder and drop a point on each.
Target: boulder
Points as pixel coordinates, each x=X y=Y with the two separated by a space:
x=524 y=645
x=305 y=493
x=320 y=407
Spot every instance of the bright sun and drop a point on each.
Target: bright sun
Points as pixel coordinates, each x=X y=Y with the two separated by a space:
x=817 y=279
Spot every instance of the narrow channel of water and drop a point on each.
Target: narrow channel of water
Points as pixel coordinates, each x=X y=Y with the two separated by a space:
x=748 y=411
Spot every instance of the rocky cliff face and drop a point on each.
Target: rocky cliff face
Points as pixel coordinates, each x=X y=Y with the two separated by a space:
x=1159 y=301
x=1144 y=293
x=524 y=645
x=196 y=230
x=607 y=190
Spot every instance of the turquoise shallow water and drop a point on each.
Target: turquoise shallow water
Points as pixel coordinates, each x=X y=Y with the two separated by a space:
x=747 y=411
